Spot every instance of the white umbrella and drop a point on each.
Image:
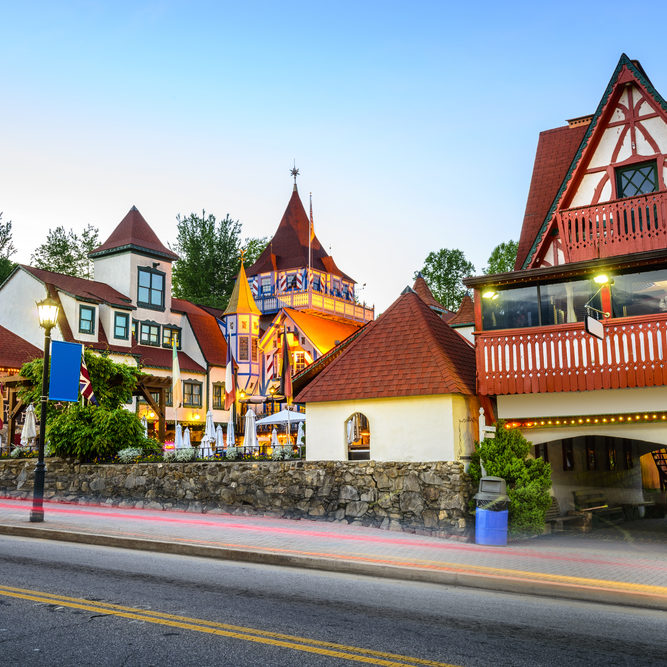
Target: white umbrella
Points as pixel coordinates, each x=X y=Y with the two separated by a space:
x=282 y=417
x=178 y=444
x=186 y=438
x=274 y=438
x=144 y=424
x=209 y=436
x=219 y=440
x=299 y=437
x=250 y=436
x=231 y=438
x=29 y=431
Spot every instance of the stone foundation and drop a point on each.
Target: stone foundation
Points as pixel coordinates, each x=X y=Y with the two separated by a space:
x=430 y=498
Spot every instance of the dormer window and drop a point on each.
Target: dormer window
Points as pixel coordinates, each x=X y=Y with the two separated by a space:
x=169 y=335
x=149 y=333
x=86 y=320
x=150 y=292
x=636 y=179
x=121 y=326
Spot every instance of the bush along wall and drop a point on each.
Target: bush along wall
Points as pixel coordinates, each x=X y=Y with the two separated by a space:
x=428 y=498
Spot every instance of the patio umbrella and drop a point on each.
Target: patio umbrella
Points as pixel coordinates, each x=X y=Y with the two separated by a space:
x=144 y=424
x=282 y=417
x=231 y=438
x=29 y=431
x=299 y=436
x=178 y=444
x=250 y=436
x=219 y=439
x=274 y=438
x=209 y=436
x=186 y=438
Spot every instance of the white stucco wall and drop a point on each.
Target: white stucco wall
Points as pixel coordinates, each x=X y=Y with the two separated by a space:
x=71 y=310
x=420 y=428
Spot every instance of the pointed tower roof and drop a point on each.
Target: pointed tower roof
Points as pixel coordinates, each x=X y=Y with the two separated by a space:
x=407 y=351
x=627 y=71
x=465 y=316
x=424 y=292
x=134 y=233
x=241 y=300
x=288 y=249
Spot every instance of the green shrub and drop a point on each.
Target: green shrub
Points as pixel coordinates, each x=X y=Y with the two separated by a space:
x=528 y=479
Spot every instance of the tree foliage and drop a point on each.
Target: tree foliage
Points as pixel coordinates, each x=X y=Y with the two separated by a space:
x=210 y=258
x=90 y=432
x=444 y=271
x=67 y=252
x=502 y=258
x=528 y=479
x=7 y=249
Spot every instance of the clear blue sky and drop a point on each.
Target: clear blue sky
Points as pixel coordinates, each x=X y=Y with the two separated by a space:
x=413 y=124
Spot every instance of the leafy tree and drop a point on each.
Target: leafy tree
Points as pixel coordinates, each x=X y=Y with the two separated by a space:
x=503 y=257
x=210 y=258
x=528 y=479
x=67 y=252
x=89 y=432
x=444 y=272
x=7 y=249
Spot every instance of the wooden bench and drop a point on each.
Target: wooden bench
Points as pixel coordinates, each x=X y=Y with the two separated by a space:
x=556 y=520
x=597 y=511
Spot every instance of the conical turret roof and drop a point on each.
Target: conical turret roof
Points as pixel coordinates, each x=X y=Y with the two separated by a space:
x=241 y=300
x=288 y=249
x=134 y=233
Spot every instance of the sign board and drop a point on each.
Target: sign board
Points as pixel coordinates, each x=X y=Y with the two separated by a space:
x=594 y=327
x=65 y=371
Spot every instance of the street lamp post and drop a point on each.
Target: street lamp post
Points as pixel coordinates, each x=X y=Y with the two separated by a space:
x=48 y=316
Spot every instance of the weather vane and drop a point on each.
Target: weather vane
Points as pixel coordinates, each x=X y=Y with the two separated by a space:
x=294 y=171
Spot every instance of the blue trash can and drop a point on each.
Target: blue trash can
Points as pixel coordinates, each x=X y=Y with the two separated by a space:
x=491 y=527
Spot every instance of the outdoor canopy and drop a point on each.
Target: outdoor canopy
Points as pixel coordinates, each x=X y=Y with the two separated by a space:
x=282 y=417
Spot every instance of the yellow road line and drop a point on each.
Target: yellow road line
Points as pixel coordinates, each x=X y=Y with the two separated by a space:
x=221 y=629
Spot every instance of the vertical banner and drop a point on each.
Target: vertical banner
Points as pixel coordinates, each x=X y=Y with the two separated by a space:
x=65 y=371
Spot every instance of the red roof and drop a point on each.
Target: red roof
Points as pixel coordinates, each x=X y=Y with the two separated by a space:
x=206 y=330
x=15 y=351
x=90 y=290
x=425 y=294
x=407 y=351
x=555 y=151
x=288 y=249
x=134 y=233
x=465 y=313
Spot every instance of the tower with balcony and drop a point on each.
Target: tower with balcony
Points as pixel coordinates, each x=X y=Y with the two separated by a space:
x=593 y=244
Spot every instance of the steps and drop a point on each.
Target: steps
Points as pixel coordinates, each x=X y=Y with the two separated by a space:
x=660 y=458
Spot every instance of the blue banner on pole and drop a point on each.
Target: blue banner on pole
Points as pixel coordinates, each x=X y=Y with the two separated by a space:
x=65 y=371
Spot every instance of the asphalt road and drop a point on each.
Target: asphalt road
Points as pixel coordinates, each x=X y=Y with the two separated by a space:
x=65 y=604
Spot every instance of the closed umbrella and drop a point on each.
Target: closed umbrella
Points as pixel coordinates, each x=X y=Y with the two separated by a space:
x=29 y=431
x=231 y=438
x=144 y=425
x=274 y=438
x=299 y=436
x=219 y=439
x=209 y=436
x=250 y=441
x=178 y=444
x=186 y=438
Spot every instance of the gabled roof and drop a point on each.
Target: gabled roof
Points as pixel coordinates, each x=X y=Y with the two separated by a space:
x=323 y=332
x=288 y=249
x=15 y=351
x=465 y=316
x=555 y=151
x=626 y=71
x=407 y=351
x=134 y=233
x=206 y=329
x=241 y=300
x=81 y=288
x=424 y=292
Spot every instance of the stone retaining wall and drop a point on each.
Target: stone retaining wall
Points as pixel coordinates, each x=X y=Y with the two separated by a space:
x=416 y=497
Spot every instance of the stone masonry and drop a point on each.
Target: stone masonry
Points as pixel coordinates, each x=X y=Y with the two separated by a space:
x=429 y=498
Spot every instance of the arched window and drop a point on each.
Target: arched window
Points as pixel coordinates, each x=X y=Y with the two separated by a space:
x=358 y=437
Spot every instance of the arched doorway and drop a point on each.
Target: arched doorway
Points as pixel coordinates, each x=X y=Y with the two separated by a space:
x=358 y=437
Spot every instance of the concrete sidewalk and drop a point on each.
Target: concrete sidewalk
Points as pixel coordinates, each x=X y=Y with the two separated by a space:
x=624 y=565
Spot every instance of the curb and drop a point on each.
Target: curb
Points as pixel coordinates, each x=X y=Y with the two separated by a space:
x=452 y=577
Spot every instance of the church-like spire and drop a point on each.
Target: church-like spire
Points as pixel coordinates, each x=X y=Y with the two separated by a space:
x=241 y=300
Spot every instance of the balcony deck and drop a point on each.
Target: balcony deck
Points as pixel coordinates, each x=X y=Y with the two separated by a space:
x=316 y=302
x=612 y=228
x=565 y=358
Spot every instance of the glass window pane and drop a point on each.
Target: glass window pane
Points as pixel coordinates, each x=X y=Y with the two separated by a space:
x=509 y=309
x=143 y=295
x=156 y=298
x=565 y=302
x=639 y=293
x=144 y=278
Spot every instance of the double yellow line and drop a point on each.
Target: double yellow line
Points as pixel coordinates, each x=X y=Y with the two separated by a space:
x=255 y=635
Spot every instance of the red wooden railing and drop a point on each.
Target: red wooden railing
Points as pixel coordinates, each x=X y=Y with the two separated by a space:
x=614 y=228
x=565 y=358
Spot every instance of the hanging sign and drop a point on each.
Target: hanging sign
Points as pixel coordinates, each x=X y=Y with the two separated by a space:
x=594 y=327
x=65 y=371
